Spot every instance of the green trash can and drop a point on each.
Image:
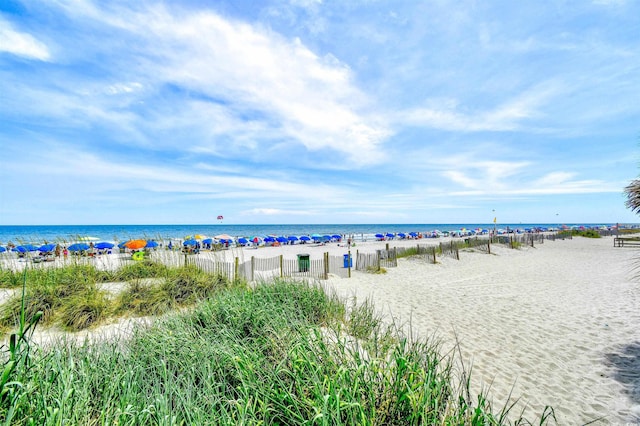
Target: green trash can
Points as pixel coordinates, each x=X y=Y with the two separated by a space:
x=303 y=262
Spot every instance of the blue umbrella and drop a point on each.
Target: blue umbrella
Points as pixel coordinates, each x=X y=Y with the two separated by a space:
x=190 y=243
x=379 y=236
x=281 y=240
x=336 y=237
x=269 y=239
x=208 y=241
x=78 y=247
x=316 y=237
x=326 y=237
x=2 y=249
x=25 y=248
x=104 y=245
x=243 y=240
x=121 y=245
x=413 y=234
x=47 y=248
x=305 y=238
x=402 y=235
x=151 y=244
x=390 y=235
x=292 y=238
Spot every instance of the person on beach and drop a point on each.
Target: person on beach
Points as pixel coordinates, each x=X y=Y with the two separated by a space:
x=57 y=250
x=65 y=252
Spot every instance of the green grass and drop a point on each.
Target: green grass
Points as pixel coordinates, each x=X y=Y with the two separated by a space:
x=70 y=297
x=284 y=353
x=588 y=233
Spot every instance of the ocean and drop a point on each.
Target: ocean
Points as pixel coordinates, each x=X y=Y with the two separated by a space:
x=38 y=234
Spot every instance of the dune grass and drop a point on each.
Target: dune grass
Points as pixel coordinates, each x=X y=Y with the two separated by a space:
x=284 y=353
x=71 y=297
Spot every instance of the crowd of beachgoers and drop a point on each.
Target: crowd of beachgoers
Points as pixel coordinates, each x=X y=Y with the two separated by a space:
x=88 y=245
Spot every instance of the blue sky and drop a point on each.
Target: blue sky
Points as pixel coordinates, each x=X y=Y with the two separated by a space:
x=308 y=111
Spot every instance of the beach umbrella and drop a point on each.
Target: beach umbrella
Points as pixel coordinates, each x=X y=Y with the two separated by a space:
x=281 y=239
x=135 y=244
x=316 y=237
x=305 y=238
x=336 y=237
x=256 y=240
x=20 y=249
x=415 y=234
x=78 y=247
x=47 y=248
x=293 y=238
x=190 y=243
x=2 y=249
x=390 y=235
x=122 y=244
x=104 y=245
x=243 y=240
x=151 y=244
x=25 y=248
x=379 y=236
x=224 y=237
x=326 y=237
x=208 y=241
x=269 y=239
x=402 y=235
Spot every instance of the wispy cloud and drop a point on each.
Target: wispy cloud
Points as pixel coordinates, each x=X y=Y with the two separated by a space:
x=21 y=43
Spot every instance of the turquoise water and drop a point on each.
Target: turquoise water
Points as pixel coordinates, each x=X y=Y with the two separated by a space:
x=59 y=233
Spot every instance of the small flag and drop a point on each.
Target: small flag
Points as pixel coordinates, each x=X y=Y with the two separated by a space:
x=494 y=220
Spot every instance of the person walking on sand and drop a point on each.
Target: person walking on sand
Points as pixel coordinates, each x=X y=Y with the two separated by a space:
x=57 y=250
x=65 y=252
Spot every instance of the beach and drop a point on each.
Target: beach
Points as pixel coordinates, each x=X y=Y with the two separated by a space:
x=552 y=325
x=555 y=324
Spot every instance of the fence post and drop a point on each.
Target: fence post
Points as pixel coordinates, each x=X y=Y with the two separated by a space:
x=281 y=267
x=235 y=269
x=395 y=256
x=378 y=254
x=185 y=259
x=489 y=246
x=253 y=267
x=434 y=256
x=349 y=262
x=326 y=265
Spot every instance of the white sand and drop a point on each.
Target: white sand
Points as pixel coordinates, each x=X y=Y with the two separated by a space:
x=556 y=325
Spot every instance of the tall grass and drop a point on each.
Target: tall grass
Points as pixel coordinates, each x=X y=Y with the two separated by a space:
x=71 y=296
x=284 y=353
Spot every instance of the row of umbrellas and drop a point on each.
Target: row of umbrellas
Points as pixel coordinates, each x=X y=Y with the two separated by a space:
x=48 y=248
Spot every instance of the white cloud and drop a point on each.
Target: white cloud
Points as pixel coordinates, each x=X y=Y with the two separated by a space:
x=21 y=44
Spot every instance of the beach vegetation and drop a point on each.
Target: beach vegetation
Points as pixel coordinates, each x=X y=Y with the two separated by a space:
x=375 y=270
x=586 y=233
x=283 y=353
x=71 y=296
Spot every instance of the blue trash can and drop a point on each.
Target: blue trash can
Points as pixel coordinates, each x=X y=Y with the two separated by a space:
x=348 y=261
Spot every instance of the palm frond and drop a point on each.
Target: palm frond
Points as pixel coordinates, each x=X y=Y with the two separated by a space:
x=633 y=195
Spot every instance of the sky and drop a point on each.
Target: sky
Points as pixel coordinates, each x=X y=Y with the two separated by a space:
x=318 y=112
